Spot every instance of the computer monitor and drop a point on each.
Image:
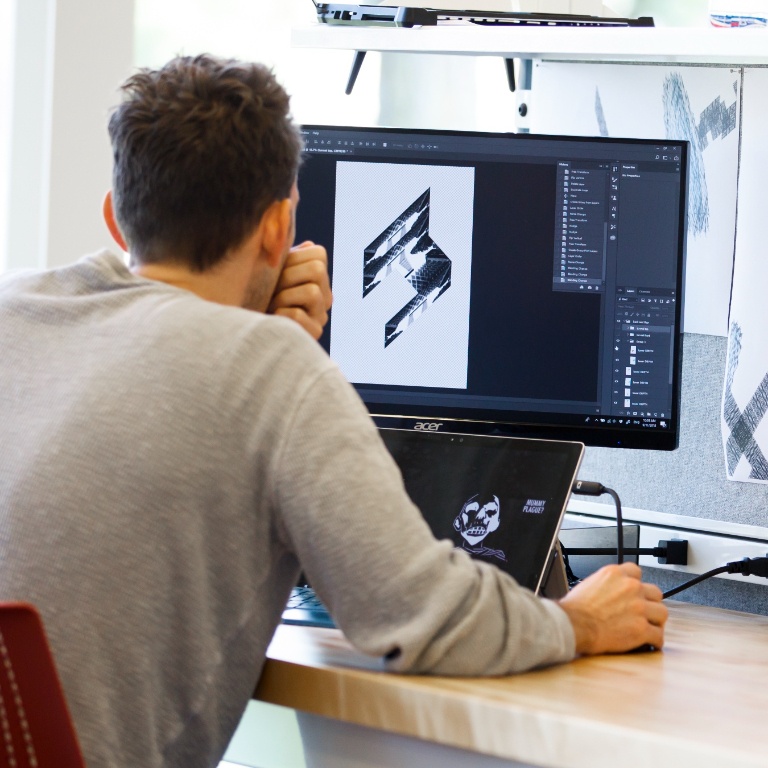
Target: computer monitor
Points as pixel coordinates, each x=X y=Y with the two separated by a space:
x=506 y=284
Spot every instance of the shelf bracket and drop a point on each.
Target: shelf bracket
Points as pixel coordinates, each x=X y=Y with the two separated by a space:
x=357 y=62
x=510 y=65
x=525 y=72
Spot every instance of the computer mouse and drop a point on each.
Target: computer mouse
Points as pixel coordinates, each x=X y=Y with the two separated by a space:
x=644 y=648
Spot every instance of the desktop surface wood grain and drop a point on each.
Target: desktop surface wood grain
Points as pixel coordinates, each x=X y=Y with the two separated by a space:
x=701 y=701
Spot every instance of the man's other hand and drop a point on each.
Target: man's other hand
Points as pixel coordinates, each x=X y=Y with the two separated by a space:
x=614 y=611
x=303 y=291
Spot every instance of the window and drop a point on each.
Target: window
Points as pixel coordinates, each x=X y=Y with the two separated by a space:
x=7 y=14
x=260 y=31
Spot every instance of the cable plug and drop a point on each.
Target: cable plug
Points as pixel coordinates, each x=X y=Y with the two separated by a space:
x=592 y=488
x=672 y=552
x=588 y=488
x=754 y=566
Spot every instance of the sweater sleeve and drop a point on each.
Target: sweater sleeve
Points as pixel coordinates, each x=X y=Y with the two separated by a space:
x=394 y=590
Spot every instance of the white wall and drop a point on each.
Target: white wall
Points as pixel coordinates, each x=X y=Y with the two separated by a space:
x=7 y=15
x=70 y=56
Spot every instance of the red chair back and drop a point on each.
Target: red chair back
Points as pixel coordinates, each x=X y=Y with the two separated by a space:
x=36 y=730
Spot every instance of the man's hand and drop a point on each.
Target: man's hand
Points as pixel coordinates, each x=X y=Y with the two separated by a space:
x=613 y=611
x=303 y=291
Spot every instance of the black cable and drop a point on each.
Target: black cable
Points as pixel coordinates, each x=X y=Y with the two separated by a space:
x=693 y=582
x=619 y=524
x=651 y=551
x=590 y=488
x=755 y=566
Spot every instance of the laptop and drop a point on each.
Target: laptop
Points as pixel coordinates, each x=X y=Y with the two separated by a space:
x=358 y=14
x=500 y=499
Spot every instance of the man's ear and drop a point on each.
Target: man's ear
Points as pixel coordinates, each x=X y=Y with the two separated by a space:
x=109 y=218
x=277 y=231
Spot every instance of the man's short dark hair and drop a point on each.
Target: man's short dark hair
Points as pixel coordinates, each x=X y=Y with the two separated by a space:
x=201 y=148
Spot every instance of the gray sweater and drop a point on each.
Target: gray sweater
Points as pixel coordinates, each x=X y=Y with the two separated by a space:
x=169 y=465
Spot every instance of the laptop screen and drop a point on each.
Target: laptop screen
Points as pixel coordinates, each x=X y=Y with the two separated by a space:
x=503 y=283
x=499 y=499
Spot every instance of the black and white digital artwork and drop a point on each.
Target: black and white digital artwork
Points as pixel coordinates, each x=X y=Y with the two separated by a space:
x=697 y=104
x=406 y=251
x=402 y=259
x=479 y=517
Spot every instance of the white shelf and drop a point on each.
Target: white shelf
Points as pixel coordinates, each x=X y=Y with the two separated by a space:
x=668 y=45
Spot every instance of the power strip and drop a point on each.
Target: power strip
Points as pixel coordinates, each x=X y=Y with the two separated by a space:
x=711 y=543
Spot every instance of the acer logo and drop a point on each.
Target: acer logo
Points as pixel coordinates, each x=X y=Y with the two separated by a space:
x=427 y=426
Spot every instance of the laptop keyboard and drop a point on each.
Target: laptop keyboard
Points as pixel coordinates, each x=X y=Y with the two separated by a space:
x=305 y=608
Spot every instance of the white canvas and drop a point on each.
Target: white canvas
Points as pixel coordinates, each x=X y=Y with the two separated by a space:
x=433 y=351
x=699 y=104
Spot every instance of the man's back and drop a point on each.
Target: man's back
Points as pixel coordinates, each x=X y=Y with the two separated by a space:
x=172 y=461
x=134 y=499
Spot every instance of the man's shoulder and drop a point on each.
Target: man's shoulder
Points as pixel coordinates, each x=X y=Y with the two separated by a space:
x=237 y=341
x=91 y=272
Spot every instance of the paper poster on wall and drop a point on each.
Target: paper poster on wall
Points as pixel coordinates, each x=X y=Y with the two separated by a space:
x=698 y=104
x=745 y=393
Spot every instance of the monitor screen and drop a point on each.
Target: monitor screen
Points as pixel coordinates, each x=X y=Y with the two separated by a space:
x=505 y=284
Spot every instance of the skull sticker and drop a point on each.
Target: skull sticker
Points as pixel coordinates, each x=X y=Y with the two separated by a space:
x=479 y=516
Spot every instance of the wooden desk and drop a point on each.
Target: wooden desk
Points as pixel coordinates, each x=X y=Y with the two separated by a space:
x=701 y=702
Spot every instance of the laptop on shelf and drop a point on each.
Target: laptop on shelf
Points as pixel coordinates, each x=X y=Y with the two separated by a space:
x=404 y=16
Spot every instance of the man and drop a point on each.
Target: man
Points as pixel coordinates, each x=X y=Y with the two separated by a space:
x=176 y=451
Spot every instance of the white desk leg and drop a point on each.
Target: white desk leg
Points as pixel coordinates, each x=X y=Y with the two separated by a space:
x=334 y=744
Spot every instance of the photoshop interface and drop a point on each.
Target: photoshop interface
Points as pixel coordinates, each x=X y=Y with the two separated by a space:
x=603 y=213
x=572 y=272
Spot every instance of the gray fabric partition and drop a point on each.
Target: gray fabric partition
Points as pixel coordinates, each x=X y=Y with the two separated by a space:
x=690 y=481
